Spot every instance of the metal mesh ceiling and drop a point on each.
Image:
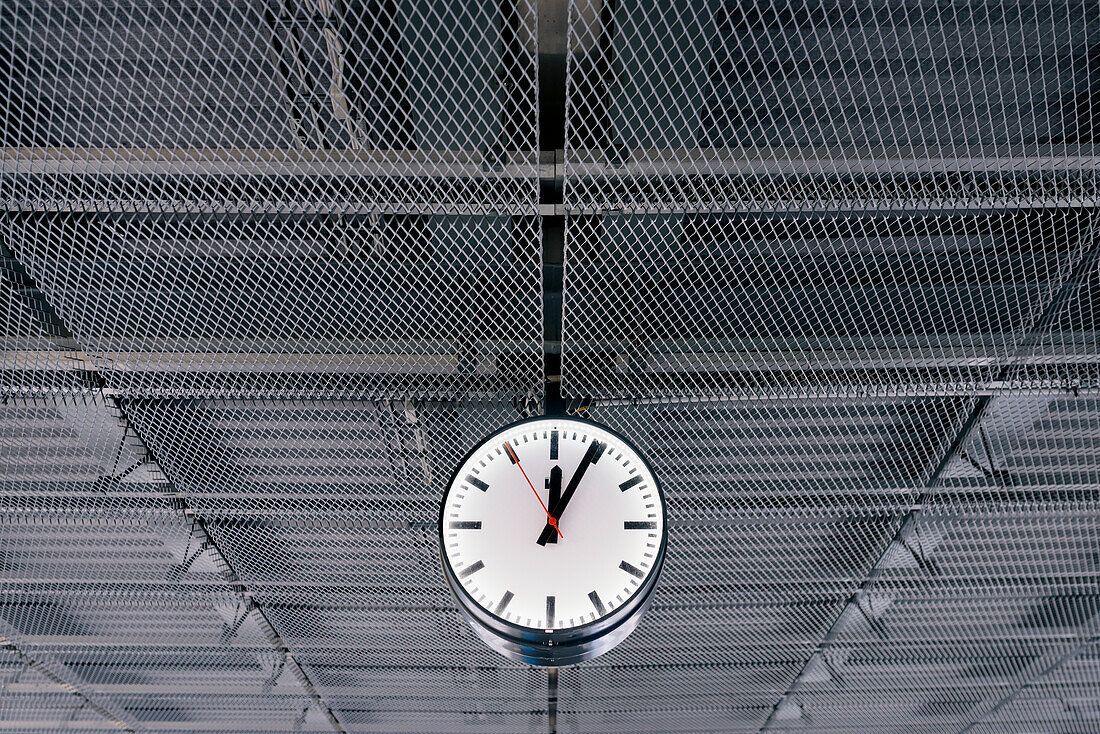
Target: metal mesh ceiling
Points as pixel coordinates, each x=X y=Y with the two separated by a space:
x=281 y=200
x=271 y=267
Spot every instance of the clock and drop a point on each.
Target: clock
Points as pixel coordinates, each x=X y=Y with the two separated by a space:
x=553 y=534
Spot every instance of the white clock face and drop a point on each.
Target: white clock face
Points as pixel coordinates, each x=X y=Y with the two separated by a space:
x=509 y=559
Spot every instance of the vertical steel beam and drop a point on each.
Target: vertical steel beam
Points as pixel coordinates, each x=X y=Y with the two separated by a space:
x=553 y=32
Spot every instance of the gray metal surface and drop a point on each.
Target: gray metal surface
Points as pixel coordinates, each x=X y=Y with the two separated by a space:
x=268 y=270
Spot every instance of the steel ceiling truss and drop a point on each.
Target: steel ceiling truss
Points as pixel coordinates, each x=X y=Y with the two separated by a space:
x=270 y=268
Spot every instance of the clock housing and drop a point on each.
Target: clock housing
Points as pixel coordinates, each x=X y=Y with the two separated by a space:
x=539 y=596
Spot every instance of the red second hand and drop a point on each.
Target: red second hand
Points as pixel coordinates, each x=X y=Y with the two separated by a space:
x=549 y=518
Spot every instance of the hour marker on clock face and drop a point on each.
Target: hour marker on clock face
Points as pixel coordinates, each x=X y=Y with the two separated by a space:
x=552 y=531
x=503 y=603
x=471 y=569
x=595 y=599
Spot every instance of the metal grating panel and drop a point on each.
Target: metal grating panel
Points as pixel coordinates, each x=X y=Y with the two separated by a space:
x=269 y=268
x=326 y=306
x=731 y=106
x=932 y=600
x=264 y=198
x=871 y=197
x=265 y=106
x=714 y=305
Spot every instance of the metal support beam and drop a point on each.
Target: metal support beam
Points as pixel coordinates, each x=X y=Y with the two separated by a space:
x=267 y=162
x=553 y=40
x=870 y=207
x=225 y=356
x=22 y=726
x=1037 y=387
x=473 y=164
x=822 y=161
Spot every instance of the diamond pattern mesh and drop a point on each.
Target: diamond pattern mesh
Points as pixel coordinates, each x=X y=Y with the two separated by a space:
x=269 y=268
x=326 y=306
x=707 y=305
x=833 y=265
x=730 y=106
x=281 y=199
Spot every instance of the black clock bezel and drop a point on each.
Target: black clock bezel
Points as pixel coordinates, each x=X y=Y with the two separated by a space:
x=571 y=645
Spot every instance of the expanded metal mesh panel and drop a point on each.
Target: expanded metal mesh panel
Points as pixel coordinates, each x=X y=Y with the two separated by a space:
x=327 y=512
x=1063 y=701
x=271 y=268
x=928 y=602
x=682 y=696
x=108 y=591
x=323 y=306
x=470 y=698
x=715 y=666
x=706 y=305
x=385 y=463
x=706 y=142
x=191 y=688
x=30 y=358
x=280 y=199
x=731 y=105
x=1062 y=350
x=320 y=106
x=1037 y=450
x=789 y=458
x=33 y=702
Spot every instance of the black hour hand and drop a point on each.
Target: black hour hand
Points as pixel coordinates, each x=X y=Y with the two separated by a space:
x=591 y=456
x=554 y=484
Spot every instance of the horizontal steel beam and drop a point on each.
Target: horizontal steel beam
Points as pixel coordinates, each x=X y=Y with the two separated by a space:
x=341 y=584
x=796 y=207
x=358 y=207
x=824 y=160
x=529 y=164
x=445 y=362
x=832 y=392
x=400 y=693
x=780 y=208
x=52 y=724
x=234 y=361
x=32 y=391
x=304 y=163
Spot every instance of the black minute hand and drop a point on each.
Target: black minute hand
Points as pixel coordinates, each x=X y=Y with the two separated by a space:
x=591 y=456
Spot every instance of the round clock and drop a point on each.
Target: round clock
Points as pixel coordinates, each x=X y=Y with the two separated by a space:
x=553 y=535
